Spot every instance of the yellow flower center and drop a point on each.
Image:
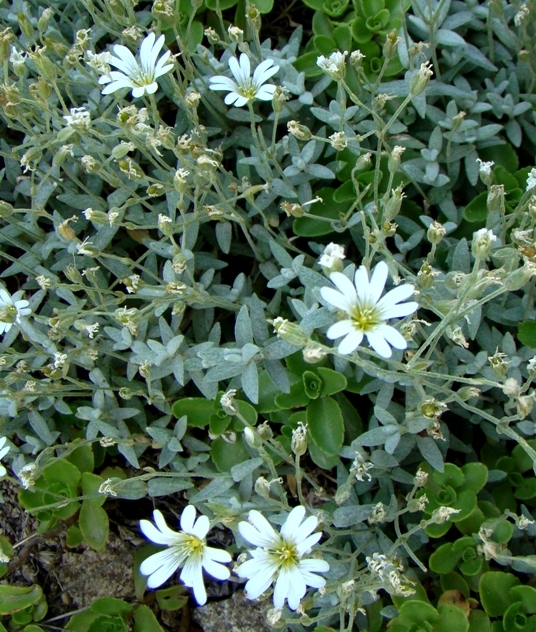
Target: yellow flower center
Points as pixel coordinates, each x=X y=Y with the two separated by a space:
x=366 y=317
x=193 y=545
x=248 y=91
x=287 y=554
x=8 y=314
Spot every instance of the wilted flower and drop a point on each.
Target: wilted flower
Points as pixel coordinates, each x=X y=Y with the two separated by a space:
x=11 y=309
x=140 y=76
x=187 y=549
x=366 y=312
x=332 y=256
x=279 y=557
x=334 y=65
x=246 y=88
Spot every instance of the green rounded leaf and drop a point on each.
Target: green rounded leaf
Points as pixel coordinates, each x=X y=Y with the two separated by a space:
x=332 y=381
x=325 y=423
x=225 y=455
x=145 y=621
x=494 y=590
x=479 y=621
x=476 y=476
x=454 y=581
x=526 y=333
x=16 y=598
x=527 y=596
x=452 y=619
x=443 y=560
x=111 y=606
x=82 y=458
x=197 y=410
x=477 y=209
x=94 y=524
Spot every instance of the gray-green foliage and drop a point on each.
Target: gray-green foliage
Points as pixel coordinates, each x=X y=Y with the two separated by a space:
x=132 y=312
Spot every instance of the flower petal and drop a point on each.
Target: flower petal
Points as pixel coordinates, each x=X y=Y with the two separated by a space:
x=342 y=328
x=187 y=519
x=335 y=298
x=362 y=284
x=216 y=570
x=159 y=567
x=254 y=536
x=262 y=525
x=351 y=342
x=379 y=344
x=307 y=543
x=345 y=286
x=392 y=336
x=218 y=555
x=377 y=281
x=400 y=310
x=292 y=524
x=398 y=294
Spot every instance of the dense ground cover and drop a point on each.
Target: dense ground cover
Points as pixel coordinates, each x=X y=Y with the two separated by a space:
x=267 y=310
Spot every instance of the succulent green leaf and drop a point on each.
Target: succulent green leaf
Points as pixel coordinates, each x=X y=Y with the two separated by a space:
x=454 y=581
x=527 y=596
x=494 y=590
x=326 y=426
x=526 y=333
x=145 y=621
x=476 y=476
x=225 y=455
x=94 y=524
x=451 y=619
x=332 y=381
x=443 y=560
x=16 y=598
x=197 y=410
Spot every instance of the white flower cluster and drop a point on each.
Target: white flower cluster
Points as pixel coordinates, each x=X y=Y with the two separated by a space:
x=279 y=557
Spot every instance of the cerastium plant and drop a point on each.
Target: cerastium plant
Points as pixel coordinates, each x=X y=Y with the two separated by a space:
x=176 y=263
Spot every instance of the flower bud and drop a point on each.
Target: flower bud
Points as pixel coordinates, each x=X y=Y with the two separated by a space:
x=252 y=438
x=520 y=277
x=391 y=45
x=192 y=99
x=356 y=58
x=343 y=493
x=90 y=164
x=482 y=241
x=121 y=150
x=5 y=38
x=435 y=233
x=212 y=36
x=525 y=404
x=298 y=442
x=484 y=171
x=253 y=16
x=458 y=120
x=299 y=131
x=235 y=34
x=338 y=141
x=392 y=208
x=426 y=276
x=264 y=431
x=442 y=514
x=363 y=161
x=468 y=392
x=393 y=163
x=290 y=332
x=262 y=486
x=511 y=387
x=97 y=217
x=420 y=80
x=313 y=353
x=6 y=209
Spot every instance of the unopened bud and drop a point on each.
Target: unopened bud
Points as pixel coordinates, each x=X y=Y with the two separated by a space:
x=299 y=131
x=421 y=79
x=435 y=232
x=392 y=208
x=482 y=241
x=298 y=442
x=235 y=34
x=525 y=404
x=290 y=332
x=252 y=438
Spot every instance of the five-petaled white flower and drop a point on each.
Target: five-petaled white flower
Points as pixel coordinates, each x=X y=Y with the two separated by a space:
x=366 y=312
x=11 y=309
x=187 y=549
x=3 y=452
x=139 y=76
x=246 y=88
x=279 y=557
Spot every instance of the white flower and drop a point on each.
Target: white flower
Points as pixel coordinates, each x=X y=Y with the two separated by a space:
x=3 y=452
x=246 y=88
x=11 y=309
x=186 y=548
x=331 y=255
x=139 y=76
x=484 y=168
x=366 y=311
x=279 y=557
x=531 y=180
x=334 y=65
x=79 y=118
